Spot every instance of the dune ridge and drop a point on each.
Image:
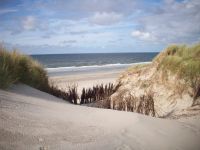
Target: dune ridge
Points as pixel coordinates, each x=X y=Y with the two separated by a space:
x=169 y=86
x=31 y=119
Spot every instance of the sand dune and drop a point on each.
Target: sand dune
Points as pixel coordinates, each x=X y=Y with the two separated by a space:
x=30 y=119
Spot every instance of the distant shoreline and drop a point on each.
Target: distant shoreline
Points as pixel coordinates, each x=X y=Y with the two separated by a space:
x=93 y=60
x=88 y=77
x=91 y=53
x=60 y=71
x=86 y=80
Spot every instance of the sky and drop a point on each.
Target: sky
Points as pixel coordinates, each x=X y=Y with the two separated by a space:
x=98 y=26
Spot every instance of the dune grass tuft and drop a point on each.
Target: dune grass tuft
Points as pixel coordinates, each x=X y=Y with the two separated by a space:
x=184 y=61
x=16 y=67
x=19 y=68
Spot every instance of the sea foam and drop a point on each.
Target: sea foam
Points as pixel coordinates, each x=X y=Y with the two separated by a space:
x=92 y=67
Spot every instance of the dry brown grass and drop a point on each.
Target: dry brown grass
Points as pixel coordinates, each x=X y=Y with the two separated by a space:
x=98 y=92
x=143 y=104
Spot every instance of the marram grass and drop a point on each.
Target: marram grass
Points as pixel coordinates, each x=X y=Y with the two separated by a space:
x=16 y=67
x=184 y=61
x=19 y=68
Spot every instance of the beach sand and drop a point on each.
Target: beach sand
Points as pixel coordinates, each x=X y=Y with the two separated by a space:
x=34 y=120
x=86 y=79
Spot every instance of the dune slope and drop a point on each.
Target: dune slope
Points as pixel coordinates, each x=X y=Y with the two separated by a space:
x=30 y=119
x=168 y=87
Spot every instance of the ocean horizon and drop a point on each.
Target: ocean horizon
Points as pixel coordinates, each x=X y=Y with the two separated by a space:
x=61 y=64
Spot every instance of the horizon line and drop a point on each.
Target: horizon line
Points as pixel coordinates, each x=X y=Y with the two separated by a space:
x=91 y=53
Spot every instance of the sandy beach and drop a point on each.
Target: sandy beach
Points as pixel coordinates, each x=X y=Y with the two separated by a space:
x=86 y=79
x=31 y=119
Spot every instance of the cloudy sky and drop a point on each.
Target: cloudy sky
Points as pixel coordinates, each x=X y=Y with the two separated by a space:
x=93 y=26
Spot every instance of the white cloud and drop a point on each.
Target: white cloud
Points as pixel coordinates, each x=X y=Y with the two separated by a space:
x=141 y=35
x=174 y=22
x=106 y=18
x=29 y=23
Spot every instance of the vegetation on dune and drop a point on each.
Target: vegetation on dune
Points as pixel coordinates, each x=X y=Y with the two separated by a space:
x=136 y=68
x=183 y=61
x=98 y=92
x=133 y=70
x=70 y=94
x=143 y=104
x=16 y=67
x=19 y=68
x=143 y=85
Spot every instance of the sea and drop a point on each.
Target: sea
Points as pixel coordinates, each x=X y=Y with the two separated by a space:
x=65 y=64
